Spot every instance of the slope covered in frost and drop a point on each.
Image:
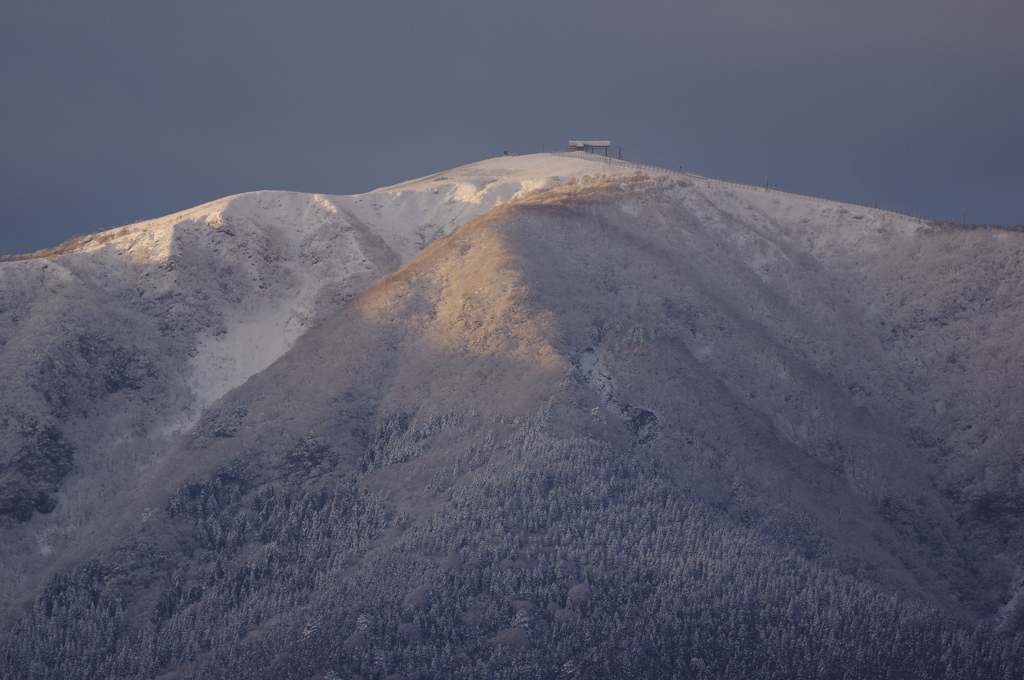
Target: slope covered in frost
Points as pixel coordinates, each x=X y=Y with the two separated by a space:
x=114 y=343
x=613 y=426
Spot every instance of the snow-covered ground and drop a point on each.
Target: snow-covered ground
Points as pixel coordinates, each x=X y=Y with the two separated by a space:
x=215 y=294
x=337 y=246
x=261 y=268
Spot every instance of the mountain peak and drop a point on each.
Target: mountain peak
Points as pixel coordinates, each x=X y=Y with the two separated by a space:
x=536 y=414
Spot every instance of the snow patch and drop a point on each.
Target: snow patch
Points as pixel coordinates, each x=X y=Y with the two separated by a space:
x=249 y=345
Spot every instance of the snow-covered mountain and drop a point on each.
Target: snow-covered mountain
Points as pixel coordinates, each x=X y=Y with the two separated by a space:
x=246 y=275
x=113 y=346
x=541 y=354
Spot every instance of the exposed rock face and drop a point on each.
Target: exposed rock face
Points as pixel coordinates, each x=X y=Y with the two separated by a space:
x=607 y=405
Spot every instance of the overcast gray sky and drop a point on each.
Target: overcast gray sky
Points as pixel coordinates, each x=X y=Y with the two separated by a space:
x=113 y=111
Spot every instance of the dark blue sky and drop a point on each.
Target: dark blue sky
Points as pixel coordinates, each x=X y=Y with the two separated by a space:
x=114 y=111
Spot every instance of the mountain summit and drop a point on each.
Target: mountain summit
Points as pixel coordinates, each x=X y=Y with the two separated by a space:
x=539 y=416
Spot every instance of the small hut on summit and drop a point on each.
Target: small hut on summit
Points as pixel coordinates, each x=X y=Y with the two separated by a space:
x=589 y=147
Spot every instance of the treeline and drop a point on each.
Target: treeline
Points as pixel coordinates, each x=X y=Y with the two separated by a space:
x=569 y=559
